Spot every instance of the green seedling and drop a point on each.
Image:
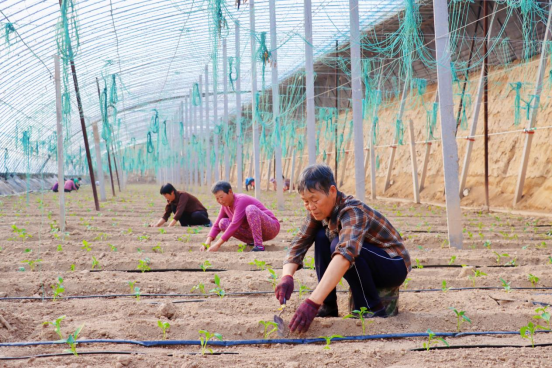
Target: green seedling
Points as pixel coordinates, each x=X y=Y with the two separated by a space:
x=162 y=231
x=419 y=264
x=72 y=268
x=206 y=246
x=541 y=245
x=534 y=280
x=405 y=283
x=506 y=285
x=549 y=259
x=72 y=341
x=512 y=262
x=57 y=326
x=59 y=248
x=86 y=246
x=143 y=265
x=205 y=337
x=32 y=263
x=487 y=244
x=328 y=340
x=452 y=260
x=460 y=318
x=309 y=263
x=444 y=287
x=58 y=289
x=528 y=332
x=261 y=265
x=303 y=289
x=101 y=236
x=95 y=263
x=164 y=326
x=128 y=231
x=272 y=277
x=143 y=238
x=131 y=284
x=184 y=238
x=433 y=340
x=205 y=265
x=360 y=314
x=476 y=274
x=544 y=315
x=137 y=293
x=157 y=249
x=20 y=233
x=28 y=250
x=499 y=256
x=241 y=247
x=112 y=247
x=267 y=325
x=218 y=289
x=199 y=287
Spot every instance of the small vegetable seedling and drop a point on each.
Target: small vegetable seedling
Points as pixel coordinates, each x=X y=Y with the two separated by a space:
x=32 y=263
x=164 y=326
x=58 y=289
x=419 y=264
x=328 y=340
x=360 y=315
x=267 y=325
x=199 y=287
x=218 y=290
x=506 y=285
x=241 y=247
x=405 y=283
x=544 y=315
x=528 y=332
x=95 y=263
x=72 y=341
x=433 y=340
x=476 y=274
x=460 y=318
x=57 y=325
x=303 y=289
x=534 y=280
x=272 y=277
x=205 y=337
x=205 y=265
x=444 y=287
x=261 y=265
x=86 y=246
x=309 y=263
x=143 y=265
x=452 y=260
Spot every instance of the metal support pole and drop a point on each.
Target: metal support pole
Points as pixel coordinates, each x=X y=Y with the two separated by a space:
x=59 y=118
x=371 y=141
x=83 y=124
x=415 y=187
x=207 y=131
x=202 y=171
x=448 y=123
x=225 y=114
x=393 y=148
x=529 y=131
x=239 y=148
x=486 y=105
x=356 y=94
x=475 y=116
x=309 y=70
x=276 y=106
x=99 y=160
x=197 y=181
x=216 y=138
x=254 y=107
x=336 y=107
x=291 y=179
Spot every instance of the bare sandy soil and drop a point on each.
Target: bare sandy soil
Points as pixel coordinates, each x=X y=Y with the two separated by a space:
x=118 y=239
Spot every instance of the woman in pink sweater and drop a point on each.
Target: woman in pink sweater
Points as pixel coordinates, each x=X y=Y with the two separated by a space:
x=243 y=217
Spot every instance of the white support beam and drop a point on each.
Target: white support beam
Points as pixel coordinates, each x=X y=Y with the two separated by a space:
x=356 y=83
x=415 y=187
x=216 y=138
x=202 y=172
x=208 y=170
x=309 y=70
x=59 y=117
x=225 y=113
x=239 y=148
x=448 y=123
x=254 y=107
x=529 y=131
x=427 y=152
x=276 y=105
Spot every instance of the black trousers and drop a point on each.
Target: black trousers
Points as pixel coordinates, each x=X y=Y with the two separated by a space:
x=195 y=218
x=372 y=269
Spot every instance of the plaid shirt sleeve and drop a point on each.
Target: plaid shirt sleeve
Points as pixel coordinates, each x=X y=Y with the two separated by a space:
x=302 y=241
x=354 y=224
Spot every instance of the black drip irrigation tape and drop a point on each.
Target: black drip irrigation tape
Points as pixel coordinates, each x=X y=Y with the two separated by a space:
x=165 y=270
x=102 y=353
x=242 y=293
x=464 y=266
x=152 y=343
x=479 y=347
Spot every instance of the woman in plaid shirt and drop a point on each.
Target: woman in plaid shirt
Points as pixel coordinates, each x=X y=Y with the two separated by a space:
x=351 y=240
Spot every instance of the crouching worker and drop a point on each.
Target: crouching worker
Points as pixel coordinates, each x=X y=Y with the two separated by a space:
x=351 y=240
x=187 y=209
x=243 y=217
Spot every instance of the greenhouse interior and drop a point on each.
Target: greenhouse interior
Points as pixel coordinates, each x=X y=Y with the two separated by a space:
x=360 y=150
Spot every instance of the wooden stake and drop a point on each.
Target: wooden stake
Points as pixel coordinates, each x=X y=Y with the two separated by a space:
x=61 y=182
x=415 y=187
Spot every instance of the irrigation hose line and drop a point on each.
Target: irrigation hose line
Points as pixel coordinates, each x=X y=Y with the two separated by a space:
x=247 y=293
x=153 y=343
x=104 y=353
x=479 y=347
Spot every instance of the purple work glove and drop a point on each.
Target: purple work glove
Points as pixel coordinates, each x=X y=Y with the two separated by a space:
x=284 y=289
x=304 y=316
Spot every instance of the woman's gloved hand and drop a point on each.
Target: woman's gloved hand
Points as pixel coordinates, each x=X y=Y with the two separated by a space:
x=304 y=316
x=284 y=289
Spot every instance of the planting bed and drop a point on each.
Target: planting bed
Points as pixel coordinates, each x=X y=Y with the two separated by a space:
x=118 y=239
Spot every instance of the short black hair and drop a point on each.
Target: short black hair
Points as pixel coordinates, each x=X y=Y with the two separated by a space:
x=80 y=178
x=221 y=185
x=167 y=189
x=316 y=177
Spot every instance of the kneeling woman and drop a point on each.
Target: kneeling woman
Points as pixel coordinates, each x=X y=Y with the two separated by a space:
x=351 y=240
x=243 y=217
